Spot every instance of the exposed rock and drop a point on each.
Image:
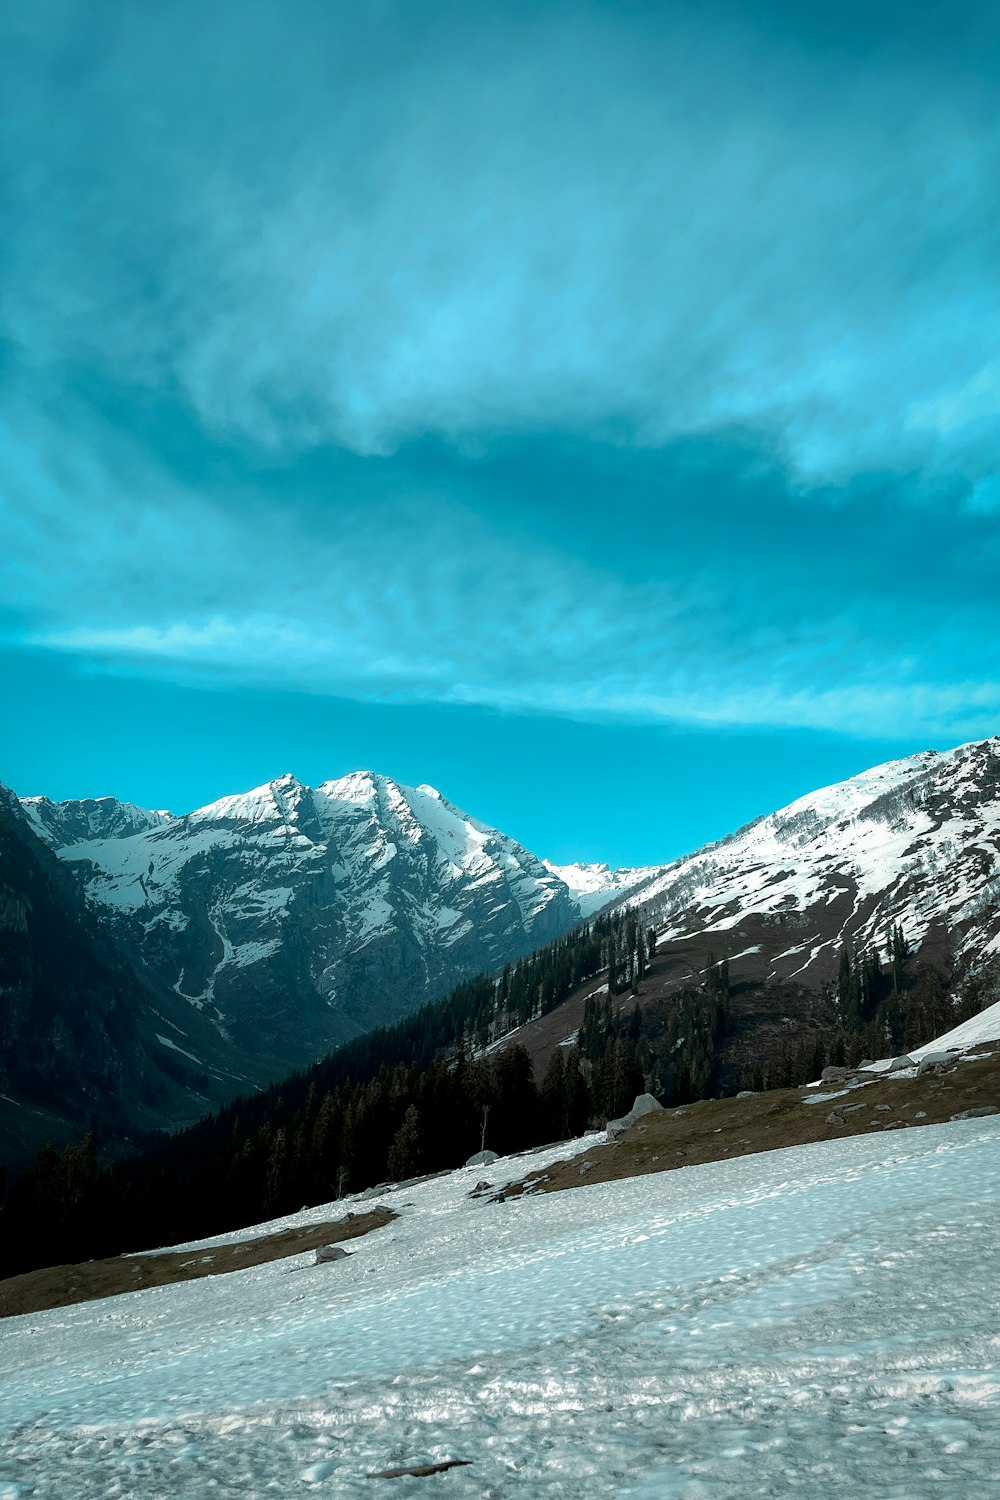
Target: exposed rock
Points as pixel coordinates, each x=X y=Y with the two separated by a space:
x=482 y=1159
x=978 y=1113
x=644 y=1104
x=421 y=1471
x=327 y=1253
x=936 y=1062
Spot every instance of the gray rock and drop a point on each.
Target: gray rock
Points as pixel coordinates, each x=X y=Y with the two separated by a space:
x=835 y=1117
x=644 y=1104
x=327 y=1253
x=921 y=1114
x=935 y=1061
x=978 y=1113
x=833 y=1075
x=747 y=1094
x=374 y=1192
x=898 y=1063
x=482 y=1159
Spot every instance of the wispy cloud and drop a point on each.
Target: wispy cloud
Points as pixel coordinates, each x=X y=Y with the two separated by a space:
x=418 y=600
x=346 y=227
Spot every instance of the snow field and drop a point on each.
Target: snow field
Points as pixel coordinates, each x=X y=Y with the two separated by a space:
x=811 y=1318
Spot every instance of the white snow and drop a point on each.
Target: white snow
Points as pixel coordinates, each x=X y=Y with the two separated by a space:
x=165 y=1041
x=817 y=1320
x=972 y=1033
x=594 y=885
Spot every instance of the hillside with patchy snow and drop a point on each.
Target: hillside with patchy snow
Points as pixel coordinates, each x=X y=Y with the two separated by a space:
x=298 y=917
x=914 y=842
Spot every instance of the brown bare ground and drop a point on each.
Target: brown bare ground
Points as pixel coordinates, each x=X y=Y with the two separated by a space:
x=721 y=1129
x=58 y=1286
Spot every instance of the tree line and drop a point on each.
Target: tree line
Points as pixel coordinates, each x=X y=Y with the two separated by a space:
x=424 y=1095
x=414 y=1098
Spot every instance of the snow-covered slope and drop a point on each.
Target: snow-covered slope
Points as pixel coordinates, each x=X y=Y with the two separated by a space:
x=300 y=916
x=816 y=1321
x=915 y=841
x=978 y=1031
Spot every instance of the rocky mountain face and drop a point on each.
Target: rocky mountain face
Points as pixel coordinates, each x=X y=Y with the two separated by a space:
x=914 y=842
x=297 y=917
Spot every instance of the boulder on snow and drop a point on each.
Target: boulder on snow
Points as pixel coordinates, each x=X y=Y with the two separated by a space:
x=326 y=1253
x=482 y=1159
x=934 y=1061
x=898 y=1063
x=376 y=1191
x=644 y=1104
x=833 y=1074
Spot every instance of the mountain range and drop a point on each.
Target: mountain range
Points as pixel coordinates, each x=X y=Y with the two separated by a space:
x=255 y=934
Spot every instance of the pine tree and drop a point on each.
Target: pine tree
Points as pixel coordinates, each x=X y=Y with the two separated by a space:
x=407 y=1146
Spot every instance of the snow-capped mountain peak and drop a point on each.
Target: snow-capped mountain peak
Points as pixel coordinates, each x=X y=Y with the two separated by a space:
x=300 y=915
x=595 y=885
x=274 y=801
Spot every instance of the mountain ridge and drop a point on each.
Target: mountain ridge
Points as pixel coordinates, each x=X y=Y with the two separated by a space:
x=914 y=842
x=313 y=911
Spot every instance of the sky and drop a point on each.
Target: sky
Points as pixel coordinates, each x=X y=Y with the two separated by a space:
x=589 y=409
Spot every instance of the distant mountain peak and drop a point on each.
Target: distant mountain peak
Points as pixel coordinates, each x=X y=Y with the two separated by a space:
x=299 y=916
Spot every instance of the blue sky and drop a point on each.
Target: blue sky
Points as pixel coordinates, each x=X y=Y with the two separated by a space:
x=590 y=409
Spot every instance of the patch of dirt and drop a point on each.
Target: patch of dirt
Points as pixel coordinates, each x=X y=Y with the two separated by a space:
x=59 y=1286
x=720 y=1129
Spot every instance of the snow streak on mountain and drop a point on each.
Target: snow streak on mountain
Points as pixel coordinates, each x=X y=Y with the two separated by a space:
x=299 y=916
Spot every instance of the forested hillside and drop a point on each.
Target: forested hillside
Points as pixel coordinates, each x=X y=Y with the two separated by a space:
x=424 y=1095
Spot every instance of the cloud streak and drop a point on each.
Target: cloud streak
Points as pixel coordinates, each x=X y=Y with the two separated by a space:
x=417 y=600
